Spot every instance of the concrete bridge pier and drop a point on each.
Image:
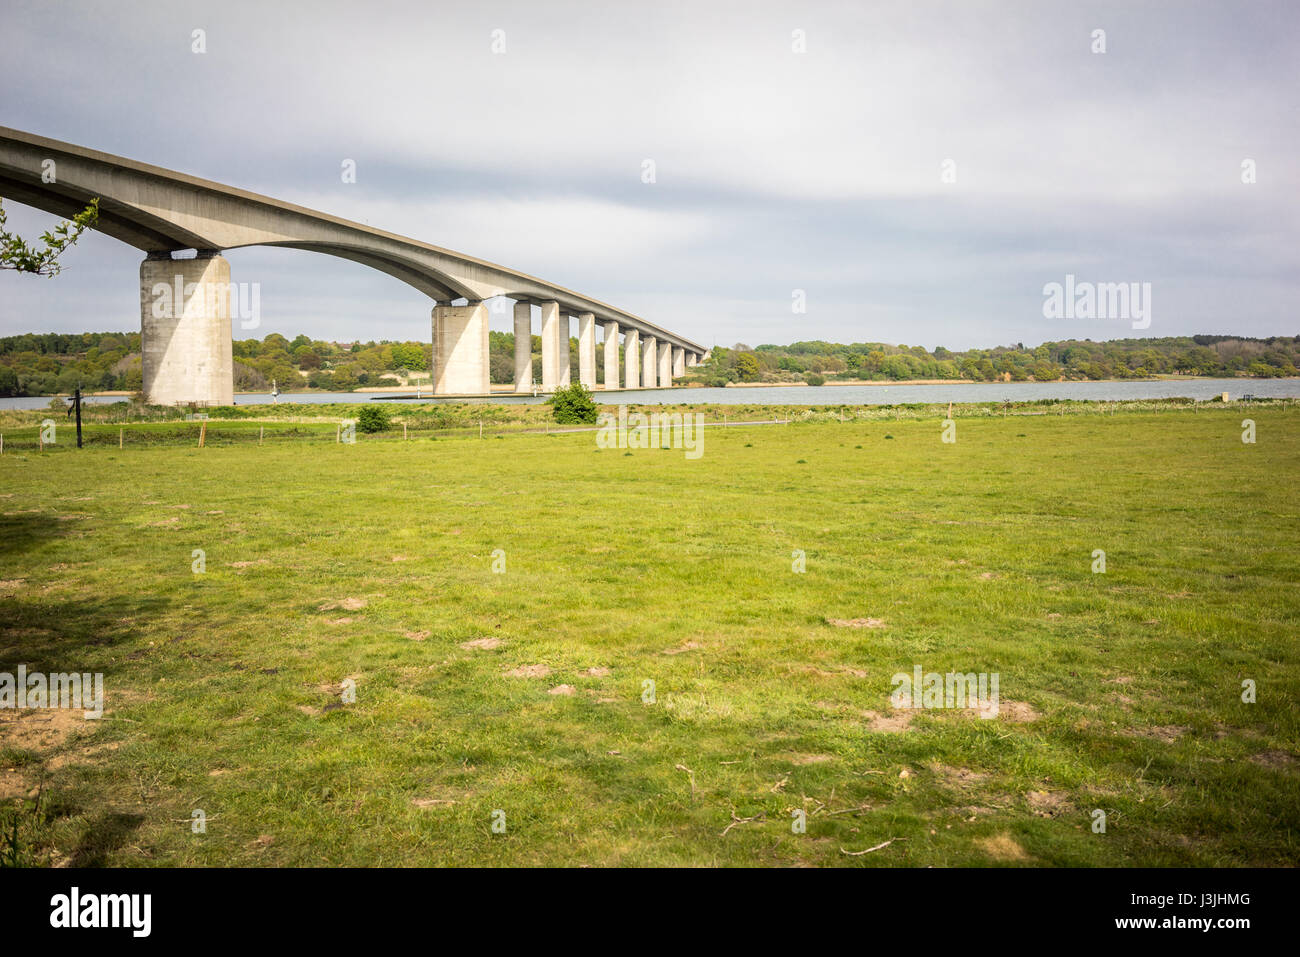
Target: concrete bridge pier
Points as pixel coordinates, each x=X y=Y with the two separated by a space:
x=611 y=355
x=632 y=359
x=665 y=365
x=691 y=358
x=679 y=361
x=551 y=346
x=649 y=362
x=587 y=349
x=566 y=333
x=185 y=329
x=460 y=349
x=523 y=347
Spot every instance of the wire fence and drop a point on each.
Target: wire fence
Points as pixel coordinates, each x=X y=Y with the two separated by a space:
x=223 y=433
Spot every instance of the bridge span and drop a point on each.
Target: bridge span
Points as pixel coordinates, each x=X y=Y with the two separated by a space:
x=186 y=339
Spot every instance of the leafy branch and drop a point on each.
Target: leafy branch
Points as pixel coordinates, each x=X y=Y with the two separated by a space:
x=44 y=260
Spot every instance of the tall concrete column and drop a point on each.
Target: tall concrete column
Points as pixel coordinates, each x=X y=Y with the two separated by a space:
x=566 y=333
x=587 y=350
x=611 y=355
x=691 y=358
x=551 y=346
x=523 y=347
x=632 y=359
x=679 y=361
x=460 y=349
x=648 y=362
x=665 y=365
x=185 y=330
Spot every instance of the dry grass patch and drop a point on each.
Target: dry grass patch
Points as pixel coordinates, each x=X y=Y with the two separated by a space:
x=1002 y=847
x=856 y=622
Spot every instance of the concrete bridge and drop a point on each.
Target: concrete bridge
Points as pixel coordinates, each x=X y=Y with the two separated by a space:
x=186 y=340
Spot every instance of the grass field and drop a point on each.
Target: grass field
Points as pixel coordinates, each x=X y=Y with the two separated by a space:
x=372 y=564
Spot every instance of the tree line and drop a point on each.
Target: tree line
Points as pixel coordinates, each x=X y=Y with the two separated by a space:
x=817 y=361
x=52 y=363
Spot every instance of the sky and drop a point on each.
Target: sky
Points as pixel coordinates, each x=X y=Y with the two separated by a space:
x=913 y=173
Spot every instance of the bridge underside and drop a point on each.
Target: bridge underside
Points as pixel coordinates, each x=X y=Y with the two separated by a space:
x=187 y=307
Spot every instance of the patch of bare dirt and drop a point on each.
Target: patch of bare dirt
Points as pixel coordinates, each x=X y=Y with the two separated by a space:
x=339 y=621
x=957 y=777
x=248 y=564
x=41 y=729
x=346 y=604
x=86 y=755
x=11 y=584
x=1047 y=803
x=1017 y=712
x=891 y=722
x=1013 y=712
x=564 y=690
x=529 y=671
x=597 y=672
x=856 y=622
x=1168 y=733
x=1275 y=760
x=687 y=646
x=417 y=635
x=486 y=644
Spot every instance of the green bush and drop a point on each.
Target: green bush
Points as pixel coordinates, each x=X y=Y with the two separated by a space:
x=812 y=378
x=372 y=418
x=574 y=405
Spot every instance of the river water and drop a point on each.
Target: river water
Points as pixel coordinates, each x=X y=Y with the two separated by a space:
x=831 y=394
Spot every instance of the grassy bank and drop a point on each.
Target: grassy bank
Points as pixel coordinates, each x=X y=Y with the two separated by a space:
x=331 y=566
x=134 y=426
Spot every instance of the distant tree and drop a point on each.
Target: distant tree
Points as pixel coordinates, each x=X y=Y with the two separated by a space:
x=747 y=366
x=408 y=355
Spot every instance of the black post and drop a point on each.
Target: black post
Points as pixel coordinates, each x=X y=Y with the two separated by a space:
x=76 y=404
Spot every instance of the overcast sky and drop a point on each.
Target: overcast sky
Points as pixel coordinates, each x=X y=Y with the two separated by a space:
x=775 y=170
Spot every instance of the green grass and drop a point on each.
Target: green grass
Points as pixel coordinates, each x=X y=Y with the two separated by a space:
x=223 y=688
